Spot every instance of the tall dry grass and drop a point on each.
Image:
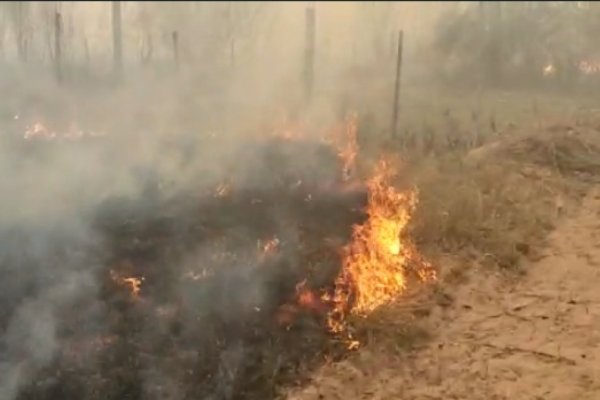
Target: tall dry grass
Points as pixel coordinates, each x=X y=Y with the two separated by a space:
x=499 y=201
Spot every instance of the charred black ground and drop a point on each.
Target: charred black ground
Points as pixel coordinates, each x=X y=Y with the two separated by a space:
x=216 y=316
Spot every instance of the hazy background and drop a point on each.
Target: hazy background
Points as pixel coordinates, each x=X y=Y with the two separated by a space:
x=236 y=59
x=240 y=64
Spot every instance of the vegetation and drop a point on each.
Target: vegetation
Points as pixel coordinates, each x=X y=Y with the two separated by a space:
x=510 y=44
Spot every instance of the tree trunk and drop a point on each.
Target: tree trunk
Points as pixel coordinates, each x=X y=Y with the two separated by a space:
x=396 y=110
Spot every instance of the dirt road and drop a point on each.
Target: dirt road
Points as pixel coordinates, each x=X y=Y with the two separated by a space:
x=536 y=338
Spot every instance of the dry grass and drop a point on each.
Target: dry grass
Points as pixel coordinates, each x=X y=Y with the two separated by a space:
x=499 y=201
x=491 y=205
x=494 y=170
x=493 y=209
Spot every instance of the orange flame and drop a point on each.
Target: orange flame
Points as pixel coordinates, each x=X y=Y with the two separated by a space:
x=374 y=263
x=134 y=284
x=308 y=299
x=38 y=130
x=223 y=190
x=345 y=139
x=549 y=69
x=589 y=67
x=268 y=248
x=349 y=151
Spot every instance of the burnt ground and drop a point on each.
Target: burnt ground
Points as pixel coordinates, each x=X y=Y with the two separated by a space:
x=216 y=315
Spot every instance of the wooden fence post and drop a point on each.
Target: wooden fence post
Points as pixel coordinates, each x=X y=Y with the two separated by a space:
x=117 y=37
x=58 y=45
x=395 y=110
x=175 y=38
x=232 y=53
x=309 y=55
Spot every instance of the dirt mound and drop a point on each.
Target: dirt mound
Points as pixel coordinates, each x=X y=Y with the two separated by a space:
x=563 y=148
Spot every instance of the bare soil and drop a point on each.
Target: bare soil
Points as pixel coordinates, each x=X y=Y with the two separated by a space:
x=535 y=337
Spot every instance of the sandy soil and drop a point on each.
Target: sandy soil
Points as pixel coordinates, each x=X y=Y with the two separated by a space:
x=534 y=338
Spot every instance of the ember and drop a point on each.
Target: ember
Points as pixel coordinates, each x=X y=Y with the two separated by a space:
x=268 y=247
x=223 y=190
x=309 y=299
x=132 y=283
x=38 y=131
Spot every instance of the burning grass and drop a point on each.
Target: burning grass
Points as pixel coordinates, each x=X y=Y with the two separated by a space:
x=375 y=262
x=231 y=291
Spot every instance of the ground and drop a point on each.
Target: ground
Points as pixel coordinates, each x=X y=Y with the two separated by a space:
x=496 y=338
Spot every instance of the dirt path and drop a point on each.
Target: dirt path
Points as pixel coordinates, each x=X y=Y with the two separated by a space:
x=538 y=338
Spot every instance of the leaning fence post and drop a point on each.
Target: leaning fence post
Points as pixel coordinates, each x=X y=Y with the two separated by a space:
x=395 y=110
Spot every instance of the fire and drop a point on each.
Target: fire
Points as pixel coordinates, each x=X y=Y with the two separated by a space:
x=589 y=67
x=585 y=67
x=305 y=299
x=349 y=150
x=223 y=190
x=38 y=130
x=308 y=299
x=268 y=248
x=375 y=262
x=549 y=69
x=134 y=284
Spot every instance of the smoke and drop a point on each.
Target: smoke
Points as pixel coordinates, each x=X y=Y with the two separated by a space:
x=172 y=135
x=65 y=204
x=31 y=338
x=45 y=268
